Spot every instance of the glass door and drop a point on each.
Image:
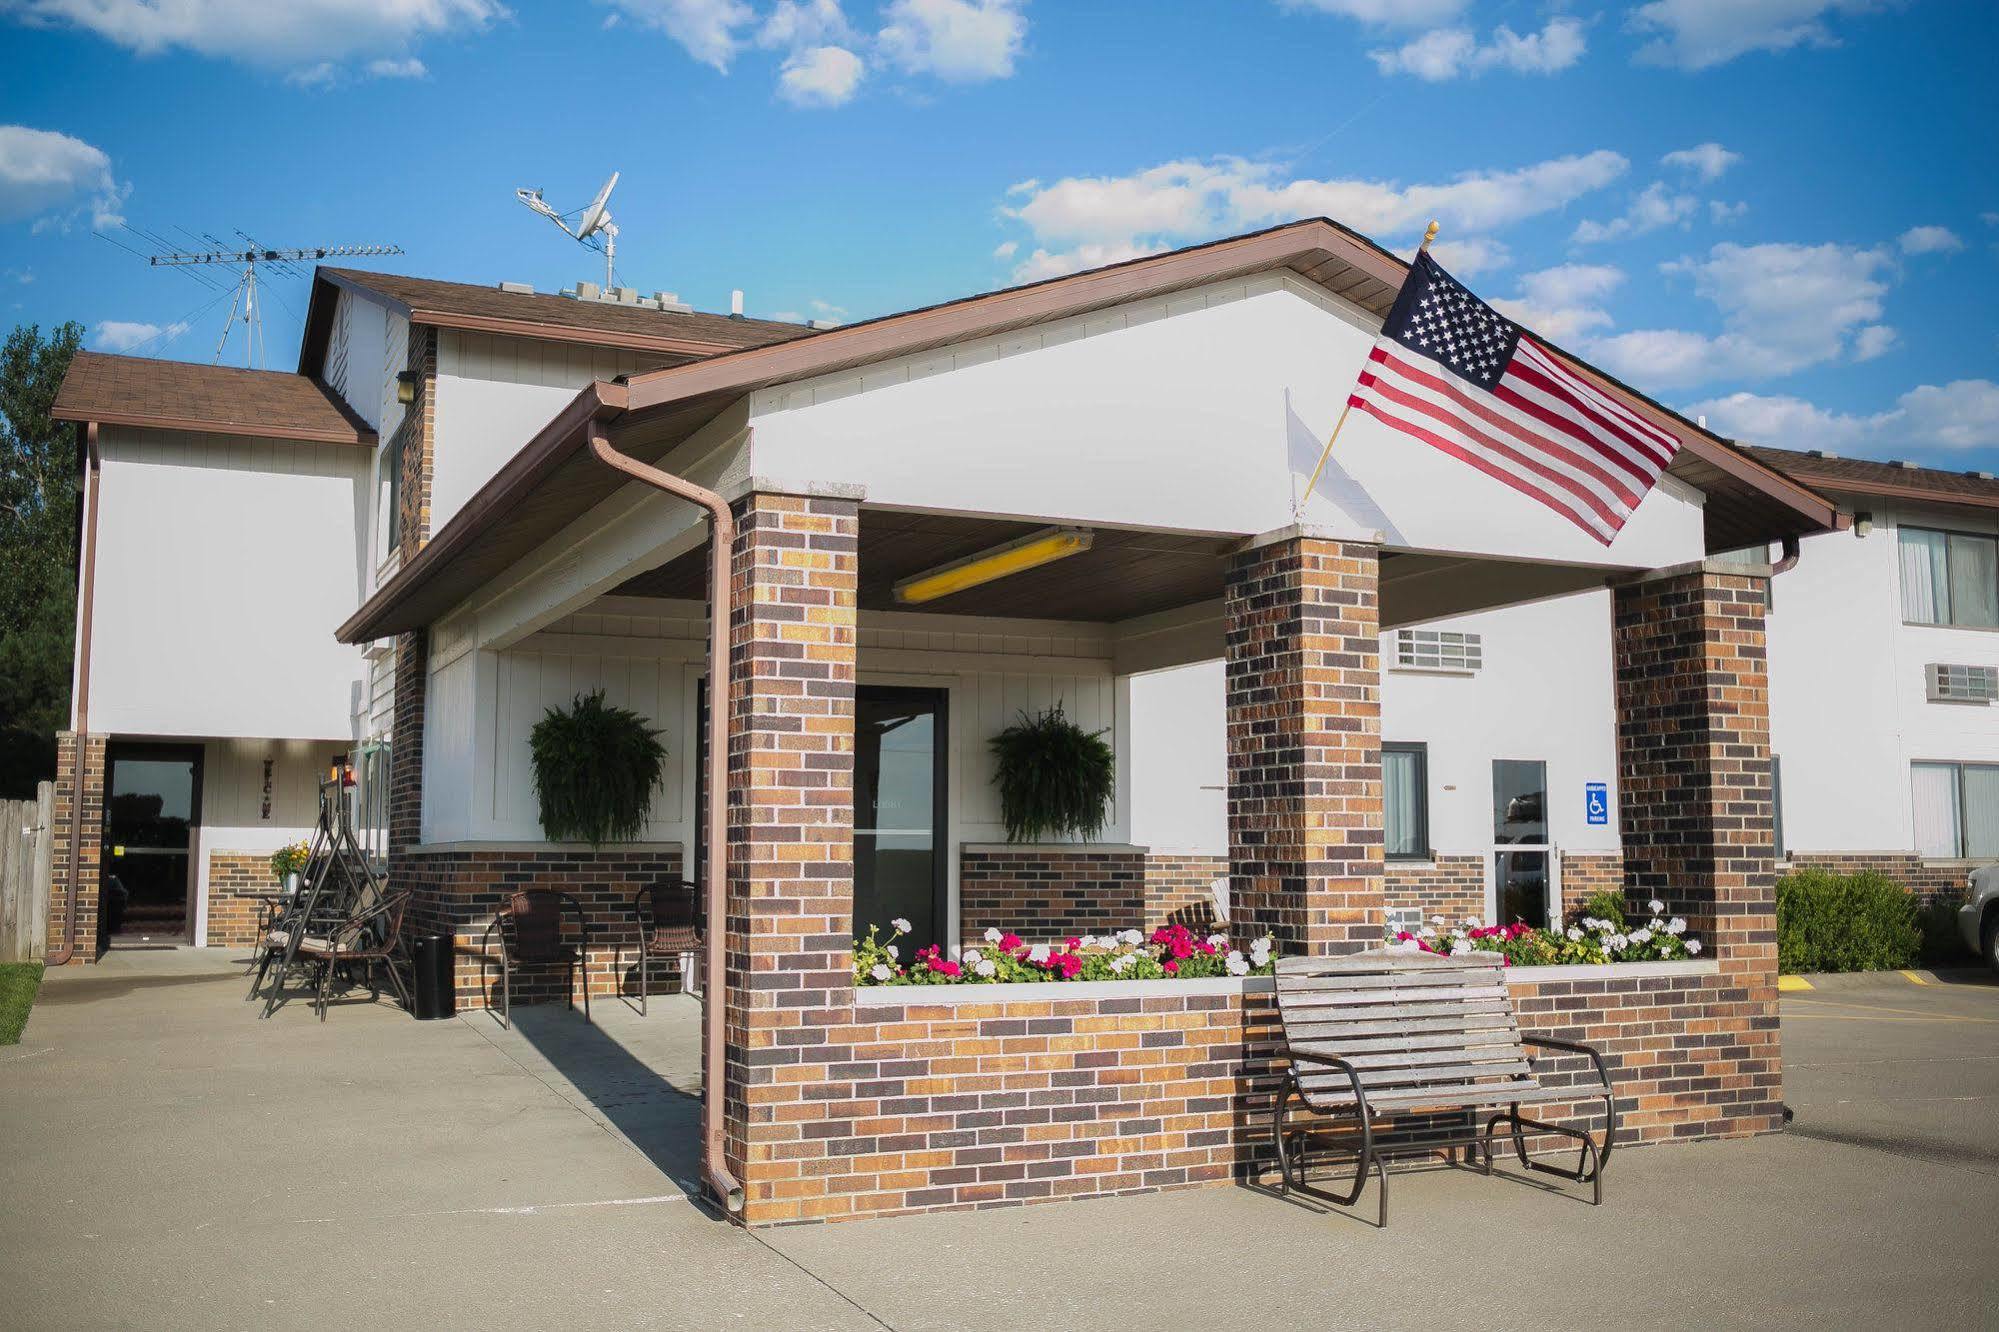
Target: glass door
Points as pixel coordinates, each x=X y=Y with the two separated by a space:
x=899 y=812
x=1523 y=861
x=152 y=806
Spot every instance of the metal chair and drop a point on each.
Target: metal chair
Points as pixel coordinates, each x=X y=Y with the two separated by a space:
x=530 y=932
x=668 y=915
x=370 y=939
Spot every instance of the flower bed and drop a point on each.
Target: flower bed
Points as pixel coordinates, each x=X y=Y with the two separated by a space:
x=1171 y=953
x=1590 y=941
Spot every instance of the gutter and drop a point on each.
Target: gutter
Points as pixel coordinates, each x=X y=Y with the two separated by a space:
x=80 y=720
x=1790 y=560
x=721 y=542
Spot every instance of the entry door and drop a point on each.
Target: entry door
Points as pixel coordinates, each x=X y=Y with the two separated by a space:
x=1523 y=860
x=152 y=807
x=899 y=812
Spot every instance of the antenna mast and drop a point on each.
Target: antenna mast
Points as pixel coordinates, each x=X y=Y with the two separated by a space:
x=595 y=221
x=244 y=299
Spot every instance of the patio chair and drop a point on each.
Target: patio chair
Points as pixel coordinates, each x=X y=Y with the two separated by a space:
x=1386 y=1034
x=370 y=939
x=668 y=916
x=529 y=928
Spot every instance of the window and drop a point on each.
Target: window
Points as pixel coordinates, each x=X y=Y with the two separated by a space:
x=1957 y=810
x=1405 y=800
x=1950 y=578
x=1961 y=684
x=1438 y=650
x=1777 y=807
x=389 y=522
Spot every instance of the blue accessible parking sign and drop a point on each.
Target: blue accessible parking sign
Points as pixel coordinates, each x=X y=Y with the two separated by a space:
x=1596 y=802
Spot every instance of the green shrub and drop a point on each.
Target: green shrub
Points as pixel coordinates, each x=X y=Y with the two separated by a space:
x=1845 y=922
x=1943 y=946
x=1603 y=904
x=1055 y=779
x=595 y=767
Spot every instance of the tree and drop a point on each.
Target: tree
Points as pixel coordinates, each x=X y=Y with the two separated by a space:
x=38 y=507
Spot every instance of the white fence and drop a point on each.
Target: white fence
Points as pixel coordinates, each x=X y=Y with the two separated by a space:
x=27 y=848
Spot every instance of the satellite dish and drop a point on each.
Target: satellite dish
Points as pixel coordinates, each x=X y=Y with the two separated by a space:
x=595 y=221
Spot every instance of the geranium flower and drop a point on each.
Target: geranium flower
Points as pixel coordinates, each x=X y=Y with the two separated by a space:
x=985 y=967
x=1658 y=907
x=1693 y=945
x=1131 y=937
x=945 y=967
x=880 y=971
x=901 y=925
x=1170 y=965
x=972 y=955
x=992 y=934
x=1009 y=942
x=890 y=950
x=1038 y=954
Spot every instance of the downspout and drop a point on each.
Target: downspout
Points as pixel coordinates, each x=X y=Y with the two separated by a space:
x=722 y=539
x=80 y=722
x=1790 y=560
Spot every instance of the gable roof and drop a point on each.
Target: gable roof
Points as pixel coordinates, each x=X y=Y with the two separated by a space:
x=553 y=479
x=1889 y=480
x=180 y=395
x=675 y=336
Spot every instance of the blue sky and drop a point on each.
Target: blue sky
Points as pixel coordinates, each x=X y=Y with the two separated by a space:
x=1783 y=214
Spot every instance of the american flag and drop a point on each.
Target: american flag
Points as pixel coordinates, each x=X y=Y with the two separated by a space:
x=1453 y=372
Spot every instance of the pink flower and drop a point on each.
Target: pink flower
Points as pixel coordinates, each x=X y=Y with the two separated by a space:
x=946 y=968
x=1009 y=943
x=1171 y=965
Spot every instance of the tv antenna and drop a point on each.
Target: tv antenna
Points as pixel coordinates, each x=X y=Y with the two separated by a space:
x=243 y=302
x=595 y=221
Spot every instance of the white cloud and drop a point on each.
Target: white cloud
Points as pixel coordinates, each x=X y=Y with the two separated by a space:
x=1446 y=53
x=1469 y=257
x=1101 y=219
x=1930 y=240
x=1652 y=208
x=709 y=30
x=1699 y=34
x=322 y=75
x=1874 y=340
x=407 y=68
x=799 y=23
x=1948 y=418
x=959 y=41
x=820 y=76
x=1386 y=13
x=1783 y=307
x=116 y=335
x=1708 y=161
x=270 y=34
x=1721 y=214
x=52 y=174
x=1565 y=303
x=1005 y=249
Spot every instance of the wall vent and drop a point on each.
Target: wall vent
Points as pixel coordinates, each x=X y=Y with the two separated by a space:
x=1961 y=684
x=1438 y=650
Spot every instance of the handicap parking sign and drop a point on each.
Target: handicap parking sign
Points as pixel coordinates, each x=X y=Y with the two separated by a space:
x=1596 y=802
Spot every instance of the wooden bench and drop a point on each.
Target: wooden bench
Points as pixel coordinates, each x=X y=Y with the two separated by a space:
x=1381 y=1035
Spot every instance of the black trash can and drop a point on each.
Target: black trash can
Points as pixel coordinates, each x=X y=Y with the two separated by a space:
x=435 y=998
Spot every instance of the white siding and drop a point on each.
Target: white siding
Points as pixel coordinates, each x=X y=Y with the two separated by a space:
x=233 y=817
x=223 y=564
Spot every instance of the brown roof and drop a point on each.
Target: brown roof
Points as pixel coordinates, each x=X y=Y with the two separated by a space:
x=179 y=395
x=676 y=337
x=1863 y=476
x=554 y=479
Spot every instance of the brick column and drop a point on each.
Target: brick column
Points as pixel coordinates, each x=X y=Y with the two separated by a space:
x=89 y=851
x=406 y=743
x=1693 y=742
x=792 y=646
x=1304 y=742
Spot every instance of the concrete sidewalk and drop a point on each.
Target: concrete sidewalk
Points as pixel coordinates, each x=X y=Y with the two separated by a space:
x=171 y=1161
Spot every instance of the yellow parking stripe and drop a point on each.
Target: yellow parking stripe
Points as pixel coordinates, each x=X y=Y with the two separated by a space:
x=1793 y=983
x=1905 y=1012
x=1912 y=978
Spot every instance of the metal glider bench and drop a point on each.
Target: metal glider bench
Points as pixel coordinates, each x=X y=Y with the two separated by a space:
x=1391 y=1035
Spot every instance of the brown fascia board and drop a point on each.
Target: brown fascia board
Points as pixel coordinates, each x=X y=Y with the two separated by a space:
x=196 y=425
x=551 y=446
x=1921 y=494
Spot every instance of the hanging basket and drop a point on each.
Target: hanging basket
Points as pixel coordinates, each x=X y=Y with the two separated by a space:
x=595 y=770
x=1055 y=779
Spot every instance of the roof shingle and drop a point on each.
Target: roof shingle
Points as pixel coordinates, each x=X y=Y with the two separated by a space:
x=1867 y=477
x=180 y=395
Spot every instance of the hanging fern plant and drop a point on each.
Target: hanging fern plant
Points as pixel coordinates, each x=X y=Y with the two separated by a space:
x=595 y=769
x=1055 y=779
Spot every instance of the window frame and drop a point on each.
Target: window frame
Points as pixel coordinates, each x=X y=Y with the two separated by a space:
x=1902 y=587
x=1958 y=767
x=1420 y=750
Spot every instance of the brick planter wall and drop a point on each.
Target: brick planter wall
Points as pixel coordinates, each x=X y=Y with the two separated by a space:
x=1180 y=887
x=456 y=892
x=1026 y=1094
x=236 y=879
x=1050 y=892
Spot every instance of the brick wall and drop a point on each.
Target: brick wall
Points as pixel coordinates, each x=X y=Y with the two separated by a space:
x=1303 y=687
x=1048 y=893
x=1931 y=880
x=417 y=436
x=1449 y=886
x=915 y=1106
x=236 y=880
x=90 y=847
x=456 y=892
x=1181 y=888
x=1584 y=874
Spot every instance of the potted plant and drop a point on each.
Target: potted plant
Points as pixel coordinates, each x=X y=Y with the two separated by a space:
x=287 y=862
x=595 y=769
x=1055 y=779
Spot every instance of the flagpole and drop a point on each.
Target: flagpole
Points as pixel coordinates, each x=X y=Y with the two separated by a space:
x=1429 y=234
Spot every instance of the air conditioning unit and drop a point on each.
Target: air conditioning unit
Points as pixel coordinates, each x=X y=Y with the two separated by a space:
x=1446 y=650
x=1961 y=684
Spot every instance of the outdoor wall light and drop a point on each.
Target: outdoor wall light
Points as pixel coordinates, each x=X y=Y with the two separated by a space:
x=406 y=382
x=1029 y=552
x=1863 y=523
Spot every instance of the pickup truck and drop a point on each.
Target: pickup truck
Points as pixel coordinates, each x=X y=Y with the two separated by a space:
x=1978 y=918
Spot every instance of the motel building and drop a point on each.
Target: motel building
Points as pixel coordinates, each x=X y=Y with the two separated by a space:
x=1413 y=691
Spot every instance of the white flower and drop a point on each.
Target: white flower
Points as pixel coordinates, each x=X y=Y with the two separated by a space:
x=1658 y=907
x=1459 y=947
x=1426 y=933
x=993 y=935
x=1676 y=926
x=1038 y=954
x=890 y=950
x=1473 y=923
x=1237 y=965
x=1130 y=937
x=1086 y=941
x=1614 y=942
x=971 y=955
x=1575 y=935
x=1122 y=961
x=1218 y=940
x=880 y=971
x=1259 y=952
x=985 y=967
x=1641 y=935
x=1436 y=920
x=1693 y=945
x=1405 y=946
